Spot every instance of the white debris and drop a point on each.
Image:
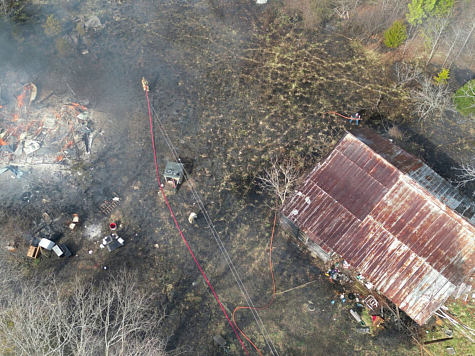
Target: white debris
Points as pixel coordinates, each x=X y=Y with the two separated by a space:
x=192 y=218
x=30 y=146
x=94 y=22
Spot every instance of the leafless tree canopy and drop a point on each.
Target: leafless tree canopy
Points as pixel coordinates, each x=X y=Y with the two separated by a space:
x=465 y=175
x=113 y=317
x=279 y=178
x=434 y=31
x=407 y=72
x=345 y=8
x=431 y=100
x=371 y=18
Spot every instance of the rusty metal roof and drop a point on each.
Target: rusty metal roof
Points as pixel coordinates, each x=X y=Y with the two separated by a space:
x=419 y=171
x=411 y=246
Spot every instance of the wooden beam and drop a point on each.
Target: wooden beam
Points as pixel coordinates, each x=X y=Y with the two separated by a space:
x=301 y=286
x=438 y=340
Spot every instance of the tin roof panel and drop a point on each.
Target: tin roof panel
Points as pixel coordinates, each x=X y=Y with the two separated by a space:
x=406 y=242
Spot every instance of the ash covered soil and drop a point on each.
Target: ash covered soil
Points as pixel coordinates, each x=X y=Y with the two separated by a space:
x=233 y=84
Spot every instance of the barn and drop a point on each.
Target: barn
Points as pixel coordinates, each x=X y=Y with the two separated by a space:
x=399 y=224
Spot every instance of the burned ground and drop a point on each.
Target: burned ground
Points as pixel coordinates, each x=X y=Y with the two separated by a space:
x=233 y=84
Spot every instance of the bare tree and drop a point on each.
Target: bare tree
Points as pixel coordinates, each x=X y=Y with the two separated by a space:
x=279 y=178
x=128 y=318
x=114 y=317
x=406 y=72
x=433 y=31
x=469 y=33
x=431 y=100
x=452 y=40
x=466 y=174
x=344 y=8
x=34 y=321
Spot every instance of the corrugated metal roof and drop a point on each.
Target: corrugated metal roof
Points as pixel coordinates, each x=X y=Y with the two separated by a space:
x=419 y=171
x=411 y=246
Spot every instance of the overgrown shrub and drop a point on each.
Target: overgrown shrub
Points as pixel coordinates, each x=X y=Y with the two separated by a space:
x=395 y=35
x=464 y=98
x=52 y=26
x=442 y=77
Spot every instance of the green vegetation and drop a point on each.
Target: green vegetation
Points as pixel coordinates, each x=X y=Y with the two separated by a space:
x=52 y=26
x=420 y=9
x=463 y=312
x=442 y=77
x=395 y=35
x=416 y=12
x=464 y=98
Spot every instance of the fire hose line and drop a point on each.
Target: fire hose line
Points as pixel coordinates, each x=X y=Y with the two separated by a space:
x=146 y=89
x=343 y=116
x=273 y=293
x=219 y=242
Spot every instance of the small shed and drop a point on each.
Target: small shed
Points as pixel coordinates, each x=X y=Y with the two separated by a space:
x=398 y=223
x=173 y=173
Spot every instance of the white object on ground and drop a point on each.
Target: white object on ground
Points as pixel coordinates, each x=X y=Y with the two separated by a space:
x=46 y=244
x=192 y=218
x=355 y=315
x=30 y=146
x=94 y=22
x=58 y=251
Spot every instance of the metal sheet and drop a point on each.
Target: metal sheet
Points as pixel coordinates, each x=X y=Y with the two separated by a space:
x=408 y=243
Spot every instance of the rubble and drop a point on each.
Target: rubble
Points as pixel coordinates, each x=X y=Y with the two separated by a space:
x=112 y=242
x=93 y=23
x=14 y=169
x=73 y=225
x=32 y=134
